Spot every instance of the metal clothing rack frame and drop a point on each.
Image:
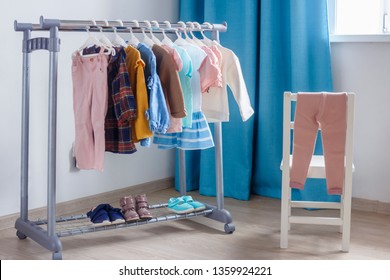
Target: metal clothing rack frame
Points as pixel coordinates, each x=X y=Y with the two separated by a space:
x=49 y=237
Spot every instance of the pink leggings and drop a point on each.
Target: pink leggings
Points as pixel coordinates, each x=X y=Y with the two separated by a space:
x=89 y=76
x=329 y=112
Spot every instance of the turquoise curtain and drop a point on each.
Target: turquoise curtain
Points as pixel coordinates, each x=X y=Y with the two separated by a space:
x=282 y=45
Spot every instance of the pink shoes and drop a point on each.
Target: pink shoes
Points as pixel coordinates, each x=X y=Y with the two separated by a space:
x=142 y=206
x=135 y=209
x=128 y=209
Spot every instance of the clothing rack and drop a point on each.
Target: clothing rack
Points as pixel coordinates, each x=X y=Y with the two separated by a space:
x=49 y=237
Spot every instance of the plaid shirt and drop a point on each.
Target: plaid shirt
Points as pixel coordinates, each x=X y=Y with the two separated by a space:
x=121 y=106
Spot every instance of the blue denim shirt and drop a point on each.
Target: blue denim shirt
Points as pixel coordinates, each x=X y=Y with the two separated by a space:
x=158 y=114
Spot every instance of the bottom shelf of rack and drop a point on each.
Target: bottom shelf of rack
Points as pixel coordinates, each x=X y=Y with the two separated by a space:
x=80 y=224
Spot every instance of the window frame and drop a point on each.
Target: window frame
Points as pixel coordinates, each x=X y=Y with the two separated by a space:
x=339 y=38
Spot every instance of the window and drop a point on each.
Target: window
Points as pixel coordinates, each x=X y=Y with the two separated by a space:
x=359 y=17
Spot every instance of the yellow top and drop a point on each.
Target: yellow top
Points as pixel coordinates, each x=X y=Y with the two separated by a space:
x=135 y=67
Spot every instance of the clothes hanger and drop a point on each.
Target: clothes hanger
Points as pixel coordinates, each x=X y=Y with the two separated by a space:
x=187 y=38
x=206 y=40
x=103 y=38
x=194 y=39
x=118 y=40
x=180 y=39
x=133 y=40
x=146 y=40
x=91 y=40
x=106 y=43
x=154 y=38
x=166 y=40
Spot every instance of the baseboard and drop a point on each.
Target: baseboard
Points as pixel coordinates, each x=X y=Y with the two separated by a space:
x=85 y=203
x=370 y=205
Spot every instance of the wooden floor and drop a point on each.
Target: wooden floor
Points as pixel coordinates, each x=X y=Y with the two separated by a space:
x=256 y=237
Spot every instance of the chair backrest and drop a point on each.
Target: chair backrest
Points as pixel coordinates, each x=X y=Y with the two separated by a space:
x=288 y=124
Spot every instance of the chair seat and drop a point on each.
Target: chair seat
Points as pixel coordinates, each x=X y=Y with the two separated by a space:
x=316 y=168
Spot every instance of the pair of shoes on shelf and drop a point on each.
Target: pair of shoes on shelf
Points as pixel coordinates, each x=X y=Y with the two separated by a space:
x=134 y=209
x=184 y=205
x=105 y=214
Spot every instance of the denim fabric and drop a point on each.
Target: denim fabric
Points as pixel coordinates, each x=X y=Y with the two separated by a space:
x=158 y=112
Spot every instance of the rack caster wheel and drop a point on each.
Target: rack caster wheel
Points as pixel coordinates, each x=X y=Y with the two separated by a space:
x=57 y=256
x=229 y=228
x=21 y=235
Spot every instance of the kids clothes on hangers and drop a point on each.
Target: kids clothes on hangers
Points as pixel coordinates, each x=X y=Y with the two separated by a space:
x=175 y=123
x=157 y=114
x=135 y=67
x=198 y=136
x=185 y=75
x=170 y=82
x=89 y=77
x=121 y=106
x=215 y=102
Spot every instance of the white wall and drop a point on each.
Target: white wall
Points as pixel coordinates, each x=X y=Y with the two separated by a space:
x=148 y=164
x=365 y=69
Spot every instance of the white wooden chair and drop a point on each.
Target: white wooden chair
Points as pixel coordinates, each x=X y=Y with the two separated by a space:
x=316 y=170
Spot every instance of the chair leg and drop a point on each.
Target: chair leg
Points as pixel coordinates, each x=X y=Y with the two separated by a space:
x=284 y=226
x=285 y=213
x=346 y=210
x=289 y=208
x=341 y=213
x=346 y=235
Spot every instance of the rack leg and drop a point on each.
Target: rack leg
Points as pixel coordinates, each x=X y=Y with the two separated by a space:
x=57 y=256
x=218 y=165
x=219 y=213
x=24 y=227
x=182 y=172
x=52 y=135
x=25 y=129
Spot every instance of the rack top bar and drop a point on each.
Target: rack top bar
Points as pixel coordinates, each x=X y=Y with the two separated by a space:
x=109 y=25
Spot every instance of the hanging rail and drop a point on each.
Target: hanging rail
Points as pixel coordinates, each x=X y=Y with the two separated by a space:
x=119 y=25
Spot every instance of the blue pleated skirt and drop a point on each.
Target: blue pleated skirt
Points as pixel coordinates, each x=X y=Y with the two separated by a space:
x=197 y=137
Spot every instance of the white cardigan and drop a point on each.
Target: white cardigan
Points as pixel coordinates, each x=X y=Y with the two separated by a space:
x=215 y=102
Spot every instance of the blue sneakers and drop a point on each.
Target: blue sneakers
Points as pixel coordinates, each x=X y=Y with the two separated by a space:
x=195 y=204
x=179 y=206
x=105 y=214
x=184 y=204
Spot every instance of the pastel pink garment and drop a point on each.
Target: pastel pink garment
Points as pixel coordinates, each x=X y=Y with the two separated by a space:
x=210 y=71
x=175 y=57
x=89 y=76
x=329 y=112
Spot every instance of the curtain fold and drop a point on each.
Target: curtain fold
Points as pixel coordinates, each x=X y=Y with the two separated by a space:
x=282 y=46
